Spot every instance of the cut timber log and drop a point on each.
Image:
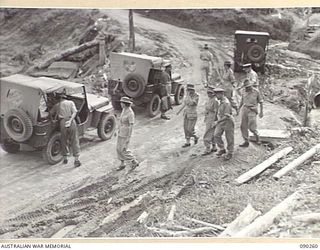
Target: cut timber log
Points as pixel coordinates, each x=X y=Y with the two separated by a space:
x=301 y=159
x=119 y=212
x=185 y=233
x=244 y=219
x=263 y=166
x=308 y=218
x=143 y=217
x=206 y=224
x=262 y=223
x=171 y=213
x=66 y=53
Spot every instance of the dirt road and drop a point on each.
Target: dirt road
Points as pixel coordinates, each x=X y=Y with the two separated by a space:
x=28 y=184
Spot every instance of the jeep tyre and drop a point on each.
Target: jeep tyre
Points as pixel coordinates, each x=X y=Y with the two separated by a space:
x=178 y=97
x=133 y=85
x=18 y=125
x=106 y=127
x=153 y=106
x=10 y=147
x=255 y=53
x=52 y=153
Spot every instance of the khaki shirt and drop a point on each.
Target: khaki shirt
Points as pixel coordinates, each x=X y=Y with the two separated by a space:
x=211 y=109
x=206 y=56
x=191 y=103
x=126 y=119
x=251 y=99
x=228 y=79
x=252 y=76
x=64 y=109
x=225 y=109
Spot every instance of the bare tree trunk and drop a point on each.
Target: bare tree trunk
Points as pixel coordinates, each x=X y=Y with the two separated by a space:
x=131 y=32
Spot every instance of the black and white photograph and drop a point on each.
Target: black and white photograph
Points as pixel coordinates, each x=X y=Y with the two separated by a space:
x=153 y=123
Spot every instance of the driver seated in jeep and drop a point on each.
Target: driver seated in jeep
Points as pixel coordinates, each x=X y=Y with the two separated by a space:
x=165 y=80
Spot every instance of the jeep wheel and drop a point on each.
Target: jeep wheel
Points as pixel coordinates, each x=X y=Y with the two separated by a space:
x=18 y=125
x=106 y=127
x=178 y=97
x=133 y=85
x=52 y=153
x=10 y=147
x=255 y=53
x=153 y=106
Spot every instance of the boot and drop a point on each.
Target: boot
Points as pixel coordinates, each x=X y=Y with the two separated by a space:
x=227 y=157
x=244 y=145
x=214 y=148
x=163 y=116
x=187 y=144
x=77 y=163
x=122 y=166
x=221 y=152
x=134 y=164
x=196 y=139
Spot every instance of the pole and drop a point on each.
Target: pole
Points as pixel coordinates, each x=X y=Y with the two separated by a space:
x=131 y=32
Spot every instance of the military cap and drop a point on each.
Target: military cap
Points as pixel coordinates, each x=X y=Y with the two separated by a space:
x=126 y=99
x=247 y=65
x=210 y=90
x=219 y=90
x=227 y=63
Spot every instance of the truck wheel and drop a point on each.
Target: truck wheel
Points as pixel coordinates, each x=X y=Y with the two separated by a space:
x=106 y=127
x=255 y=53
x=52 y=153
x=10 y=147
x=18 y=125
x=153 y=106
x=178 y=97
x=133 y=85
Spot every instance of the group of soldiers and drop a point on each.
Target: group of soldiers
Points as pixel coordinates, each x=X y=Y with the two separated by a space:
x=219 y=115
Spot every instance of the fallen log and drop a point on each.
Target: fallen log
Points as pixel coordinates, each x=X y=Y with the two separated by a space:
x=244 y=219
x=206 y=223
x=308 y=218
x=263 y=166
x=66 y=53
x=261 y=224
x=185 y=233
x=143 y=217
x=171 y=213
x=301 y=159
x=119 y=212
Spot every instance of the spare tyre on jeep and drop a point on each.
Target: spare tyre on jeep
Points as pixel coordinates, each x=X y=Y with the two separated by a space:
x=250 y=47
x=139 y=77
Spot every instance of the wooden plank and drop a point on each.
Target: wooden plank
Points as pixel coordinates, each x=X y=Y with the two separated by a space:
x=301 y=159
x=263 y=166
x=243 y=220
x=267 y=135
x=262 y=223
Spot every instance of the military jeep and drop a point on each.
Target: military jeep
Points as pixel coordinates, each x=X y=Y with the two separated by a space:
x=250 y=47
x=138 y=76
x=25 y=117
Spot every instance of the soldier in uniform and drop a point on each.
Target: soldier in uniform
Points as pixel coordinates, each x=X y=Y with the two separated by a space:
x=249 y=109
x=165 y=80
x=206 y=65
x=224 y=124
x=190 y=115
x=210 y=116
x=124 y=134
x=251 y=75
x=66 y=112
x=228 y=80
